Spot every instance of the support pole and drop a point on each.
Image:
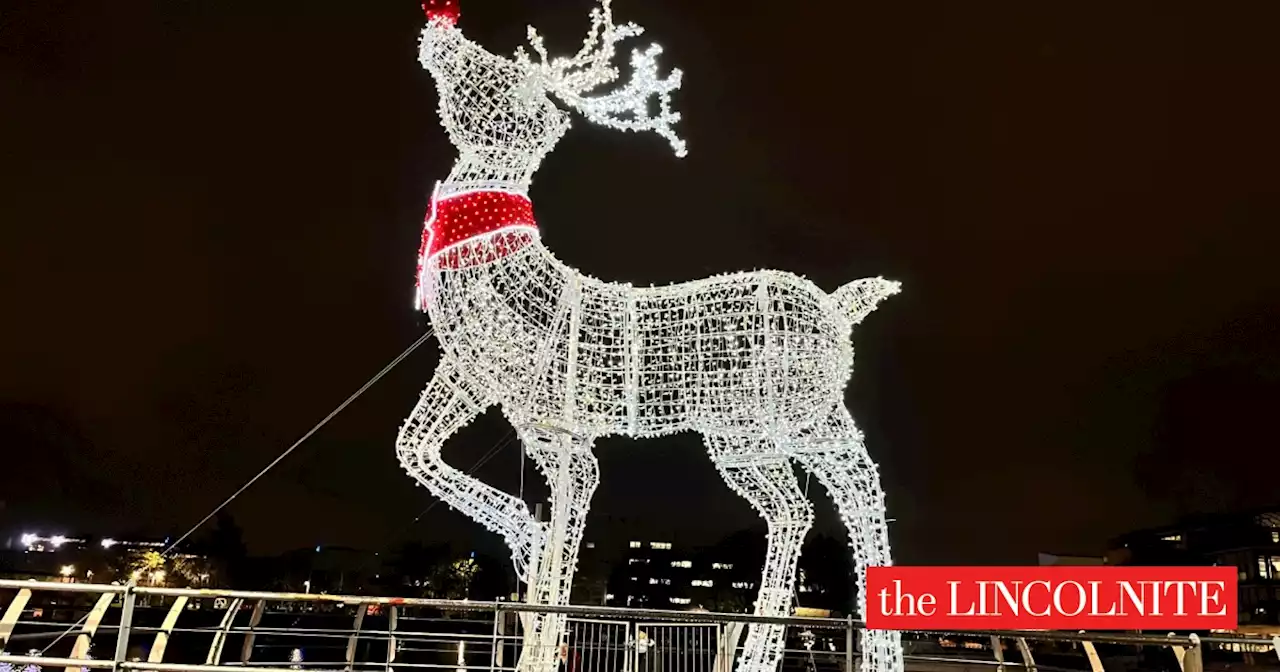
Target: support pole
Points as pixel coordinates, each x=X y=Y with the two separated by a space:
x=495 y=651
x=848 y=645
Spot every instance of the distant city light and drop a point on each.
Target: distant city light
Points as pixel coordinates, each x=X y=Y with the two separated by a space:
x=108 y=543
x=30 y=539
x=58 y=540
x=67 y=570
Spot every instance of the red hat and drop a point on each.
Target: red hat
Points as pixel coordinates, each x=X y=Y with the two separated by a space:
x=446 y=11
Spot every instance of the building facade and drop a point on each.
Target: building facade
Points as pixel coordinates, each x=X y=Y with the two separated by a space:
x=1248 y=541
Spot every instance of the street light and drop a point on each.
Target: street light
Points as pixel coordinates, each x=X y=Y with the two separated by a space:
x=67 y=570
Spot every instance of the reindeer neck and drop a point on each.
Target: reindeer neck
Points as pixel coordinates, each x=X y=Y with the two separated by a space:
x=472 y=224
x=471 y=173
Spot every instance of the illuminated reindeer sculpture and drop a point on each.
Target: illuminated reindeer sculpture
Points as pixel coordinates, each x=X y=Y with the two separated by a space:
x=755 y=362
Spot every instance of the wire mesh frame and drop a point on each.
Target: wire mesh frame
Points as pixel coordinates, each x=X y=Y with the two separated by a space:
x=756 y=362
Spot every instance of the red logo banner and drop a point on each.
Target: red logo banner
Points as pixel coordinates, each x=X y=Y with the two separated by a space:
x=1051 y=598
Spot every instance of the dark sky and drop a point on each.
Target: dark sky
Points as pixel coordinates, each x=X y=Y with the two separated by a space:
x=211 y=209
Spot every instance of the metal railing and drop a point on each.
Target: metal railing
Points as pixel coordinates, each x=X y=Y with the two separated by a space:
x=56 y=625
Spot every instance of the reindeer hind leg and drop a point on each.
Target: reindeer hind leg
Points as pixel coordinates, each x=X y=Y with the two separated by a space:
x=838 y=457
x=762 y=475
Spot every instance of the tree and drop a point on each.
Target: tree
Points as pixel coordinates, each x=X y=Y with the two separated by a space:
x=226 y=544
x=452 y=580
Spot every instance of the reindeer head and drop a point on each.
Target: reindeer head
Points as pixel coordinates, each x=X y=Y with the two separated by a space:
x=499 y=112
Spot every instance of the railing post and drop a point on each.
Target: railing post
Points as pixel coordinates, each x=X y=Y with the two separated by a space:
x=1191 y=658
x=354 y=640
x=392 y=618
x=166 y=630
x=1028 y=661
x=246 y=651
x=848 y=644
x=220 y=637
x=126 y=624
x=12 y=615
x=495 y=649
x=1091 y=651
x=997 y=649
x=80 y=651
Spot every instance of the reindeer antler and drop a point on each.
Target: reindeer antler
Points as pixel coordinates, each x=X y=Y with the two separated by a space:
x=626 y=108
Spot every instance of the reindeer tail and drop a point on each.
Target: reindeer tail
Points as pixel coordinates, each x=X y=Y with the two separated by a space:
x=857 y=299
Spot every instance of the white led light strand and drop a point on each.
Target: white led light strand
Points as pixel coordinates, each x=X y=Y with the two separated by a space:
x=755 y=362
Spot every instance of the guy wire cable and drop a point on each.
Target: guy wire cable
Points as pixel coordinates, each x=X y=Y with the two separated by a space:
x=286 y=453
x=300 y=441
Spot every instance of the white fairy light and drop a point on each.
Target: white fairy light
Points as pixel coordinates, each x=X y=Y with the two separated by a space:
x=755 y=362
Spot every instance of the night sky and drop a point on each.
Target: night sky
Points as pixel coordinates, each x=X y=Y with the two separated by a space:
x=211 y=210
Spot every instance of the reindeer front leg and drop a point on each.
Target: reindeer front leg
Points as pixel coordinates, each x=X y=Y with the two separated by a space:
x=572 y=473
x=448 y=404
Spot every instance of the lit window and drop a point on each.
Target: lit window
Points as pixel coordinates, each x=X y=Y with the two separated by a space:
x=591 y=544
x=636 y=544
x=608 y=596
x=1265 y=567
x=702 y=583
x=743 y=585
x=634 y=578
x=721 y=565
x=1172 y=537
x=638 y=561
x=1275 y=537
x=666 y=582
x=679 y=600
x=683 y=564
x=653 y=581
x=660 y=545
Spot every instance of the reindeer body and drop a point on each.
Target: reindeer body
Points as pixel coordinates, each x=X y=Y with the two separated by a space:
x=615 y=359
x=754 y=362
